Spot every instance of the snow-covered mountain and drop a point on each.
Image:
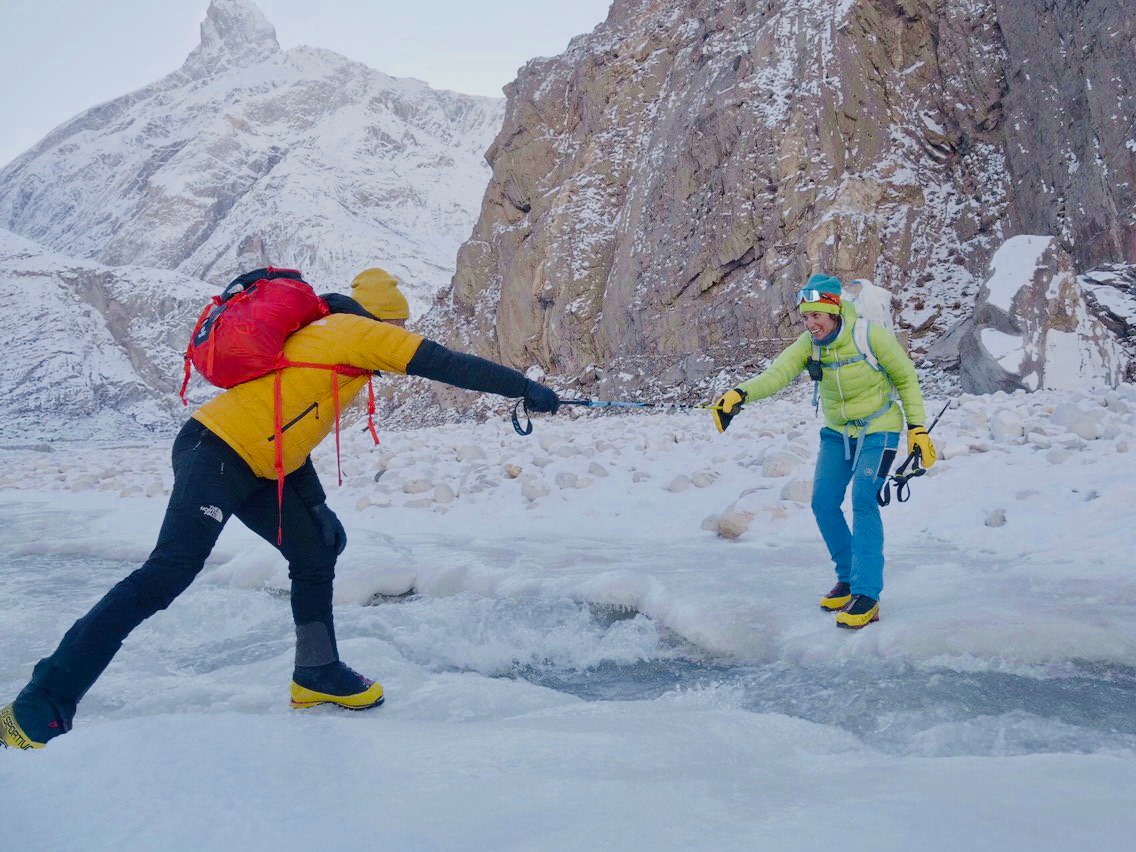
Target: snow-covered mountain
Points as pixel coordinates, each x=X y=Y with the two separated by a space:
x=248 y=155
x=91 y=351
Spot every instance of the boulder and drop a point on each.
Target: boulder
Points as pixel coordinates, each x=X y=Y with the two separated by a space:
x=1031 y=326
x=781 y=463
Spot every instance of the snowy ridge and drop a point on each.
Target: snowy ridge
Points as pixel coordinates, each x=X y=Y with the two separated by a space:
x=234 y=35
x=96 y=351
x=249 y=155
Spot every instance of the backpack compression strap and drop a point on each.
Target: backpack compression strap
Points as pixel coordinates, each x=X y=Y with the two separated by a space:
x=189 y=349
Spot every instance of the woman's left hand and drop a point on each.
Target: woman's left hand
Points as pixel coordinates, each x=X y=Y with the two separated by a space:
x=919 y=441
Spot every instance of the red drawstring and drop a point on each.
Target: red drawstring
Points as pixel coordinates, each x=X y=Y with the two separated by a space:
x=371 y=408
x=335 y=398
x=278 y=433
x=185 y=382
x=278 y=415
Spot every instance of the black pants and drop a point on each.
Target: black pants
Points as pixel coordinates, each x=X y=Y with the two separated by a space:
x=211 y=483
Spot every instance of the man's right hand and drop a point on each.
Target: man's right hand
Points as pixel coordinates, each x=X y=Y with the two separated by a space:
x=541 y=399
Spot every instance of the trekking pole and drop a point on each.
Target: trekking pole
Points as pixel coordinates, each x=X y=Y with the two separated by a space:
x=606 y=403
x=600 y=403
x=900 y=477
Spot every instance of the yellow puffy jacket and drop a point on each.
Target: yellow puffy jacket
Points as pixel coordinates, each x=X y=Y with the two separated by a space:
x=243 y=416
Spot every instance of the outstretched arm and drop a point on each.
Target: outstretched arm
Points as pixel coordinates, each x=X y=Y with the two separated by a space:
x=776 y=376
x=434 y=361
x=780 y=374
x=376 y=345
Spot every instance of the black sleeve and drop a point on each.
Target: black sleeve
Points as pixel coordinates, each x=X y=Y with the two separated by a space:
x=306 y=483
x=434 y=361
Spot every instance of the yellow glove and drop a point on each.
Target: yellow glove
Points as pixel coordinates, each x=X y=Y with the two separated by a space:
x=726 y=406
x=918 y=441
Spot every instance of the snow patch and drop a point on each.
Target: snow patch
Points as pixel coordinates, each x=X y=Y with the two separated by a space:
x=1013 y=267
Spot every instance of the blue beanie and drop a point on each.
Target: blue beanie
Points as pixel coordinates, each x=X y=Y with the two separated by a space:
x=829 y=287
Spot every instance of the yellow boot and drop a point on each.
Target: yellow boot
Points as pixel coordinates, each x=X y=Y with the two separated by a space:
x=837 y=598
x=334 y=684
x=860 y=612
x=11 y=734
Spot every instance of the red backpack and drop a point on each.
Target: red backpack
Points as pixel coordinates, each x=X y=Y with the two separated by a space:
x=240 y=336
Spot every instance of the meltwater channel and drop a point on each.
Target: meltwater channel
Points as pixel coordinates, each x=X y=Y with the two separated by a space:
x=985 y=707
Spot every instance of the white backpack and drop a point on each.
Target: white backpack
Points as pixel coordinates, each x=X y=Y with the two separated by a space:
x=871 y=302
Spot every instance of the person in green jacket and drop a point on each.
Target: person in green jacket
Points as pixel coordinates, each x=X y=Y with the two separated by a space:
x=859 y=369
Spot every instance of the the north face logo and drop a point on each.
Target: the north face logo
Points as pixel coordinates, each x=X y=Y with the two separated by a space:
x=213 y=512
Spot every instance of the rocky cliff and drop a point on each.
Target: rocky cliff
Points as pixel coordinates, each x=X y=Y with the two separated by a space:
x=661 y=189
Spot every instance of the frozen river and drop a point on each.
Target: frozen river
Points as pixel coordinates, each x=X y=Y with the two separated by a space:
x=593 y=652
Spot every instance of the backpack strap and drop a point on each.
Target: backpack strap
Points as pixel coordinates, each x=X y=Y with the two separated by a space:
x=863 y=343
x=816 y=376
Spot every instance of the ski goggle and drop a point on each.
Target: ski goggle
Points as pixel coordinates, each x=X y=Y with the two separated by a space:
x=811 y=295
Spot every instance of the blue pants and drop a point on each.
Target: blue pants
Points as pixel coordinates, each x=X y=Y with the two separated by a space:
x=858 y=554
x=211 y=484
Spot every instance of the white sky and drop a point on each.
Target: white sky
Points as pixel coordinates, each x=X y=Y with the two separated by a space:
x=59 y=57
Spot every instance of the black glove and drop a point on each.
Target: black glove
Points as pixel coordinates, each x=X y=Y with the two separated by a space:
x=333 y=532
x=540 y=399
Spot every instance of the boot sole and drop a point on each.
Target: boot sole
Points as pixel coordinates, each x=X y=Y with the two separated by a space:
x=873 y=620
x=303 y=705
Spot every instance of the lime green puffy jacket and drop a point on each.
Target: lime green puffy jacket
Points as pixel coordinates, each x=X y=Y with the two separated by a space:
x=855 y=391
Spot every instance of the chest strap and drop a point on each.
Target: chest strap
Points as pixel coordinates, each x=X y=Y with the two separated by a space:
x=836 y=365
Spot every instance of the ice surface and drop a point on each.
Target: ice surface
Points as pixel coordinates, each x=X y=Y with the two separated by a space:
x=593 y=667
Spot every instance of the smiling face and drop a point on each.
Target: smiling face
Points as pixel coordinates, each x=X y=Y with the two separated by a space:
x=820 y=325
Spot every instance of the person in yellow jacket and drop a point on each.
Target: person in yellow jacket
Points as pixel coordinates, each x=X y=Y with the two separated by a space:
x=859 y=368
x=224 y=465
